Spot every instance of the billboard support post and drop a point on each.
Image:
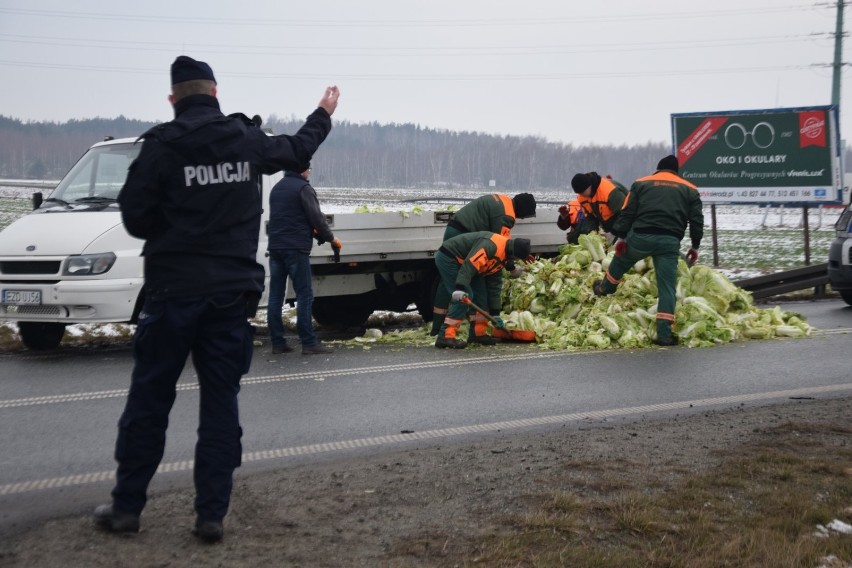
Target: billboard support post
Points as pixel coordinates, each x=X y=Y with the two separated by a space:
x=714 y=235
x=806 y=228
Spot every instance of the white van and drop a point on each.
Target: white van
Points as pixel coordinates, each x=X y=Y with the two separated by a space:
x=70 y=260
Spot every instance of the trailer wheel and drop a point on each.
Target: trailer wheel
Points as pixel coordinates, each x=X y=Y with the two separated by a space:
x=41 y=336
x=341 y=311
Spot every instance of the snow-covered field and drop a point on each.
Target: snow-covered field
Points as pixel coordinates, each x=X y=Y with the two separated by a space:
x=346 y=200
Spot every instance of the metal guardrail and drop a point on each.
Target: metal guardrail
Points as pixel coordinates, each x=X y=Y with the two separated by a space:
x=813 y=276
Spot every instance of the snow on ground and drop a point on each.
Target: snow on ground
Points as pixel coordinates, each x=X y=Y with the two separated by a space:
x=345 y=200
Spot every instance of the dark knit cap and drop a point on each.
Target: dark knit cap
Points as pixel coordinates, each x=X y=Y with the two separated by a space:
x=188 y=69
x=581 y=182
x=524 y=204
x=668 y=163
x=521 y=248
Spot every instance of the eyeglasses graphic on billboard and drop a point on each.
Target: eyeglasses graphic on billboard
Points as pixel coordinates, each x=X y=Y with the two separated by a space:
x=762 y=135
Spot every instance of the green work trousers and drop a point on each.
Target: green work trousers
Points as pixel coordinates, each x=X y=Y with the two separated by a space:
x=665 y=250
x=442 y=295
x=448 y=269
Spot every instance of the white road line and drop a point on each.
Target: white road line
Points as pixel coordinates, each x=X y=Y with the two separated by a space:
x=313 y=375
x=263 y=455
x=310 y=375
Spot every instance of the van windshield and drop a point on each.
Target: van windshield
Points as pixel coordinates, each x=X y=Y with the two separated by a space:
x=98 y=176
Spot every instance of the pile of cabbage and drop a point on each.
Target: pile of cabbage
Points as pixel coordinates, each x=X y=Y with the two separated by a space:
x=554 y=298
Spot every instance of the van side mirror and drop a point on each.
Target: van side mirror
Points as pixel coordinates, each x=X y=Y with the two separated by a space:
x=38 y=199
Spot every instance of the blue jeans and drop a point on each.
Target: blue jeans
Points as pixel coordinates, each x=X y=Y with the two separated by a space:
x=297 y=265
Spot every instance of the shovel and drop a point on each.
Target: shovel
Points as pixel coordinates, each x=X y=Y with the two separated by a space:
x=524 y=335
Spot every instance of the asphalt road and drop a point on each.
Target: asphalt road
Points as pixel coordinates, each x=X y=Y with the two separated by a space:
x=58 y=411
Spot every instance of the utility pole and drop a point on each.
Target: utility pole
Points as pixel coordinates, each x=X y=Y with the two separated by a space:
x=835 y=87
x=838 y=55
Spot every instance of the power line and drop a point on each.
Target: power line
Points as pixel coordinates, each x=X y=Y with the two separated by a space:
x=414 y=23
x=609 y=74
x=401 y=51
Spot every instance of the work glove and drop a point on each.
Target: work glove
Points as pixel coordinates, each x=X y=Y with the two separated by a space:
x=459 y=295
x=563 y=211
x=336 y=245
x=691 y=256
x=620 y=247
x=516 y=271
x=498 y=322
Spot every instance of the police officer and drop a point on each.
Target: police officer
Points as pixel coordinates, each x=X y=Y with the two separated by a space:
x=193 y=194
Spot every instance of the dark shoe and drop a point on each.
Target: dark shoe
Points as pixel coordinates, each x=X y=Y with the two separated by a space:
x=482 y=339
x=318 y=349
x=281 y=349
x=209 y=531
x=116 y=521
x=666 y=341
x=447 y=343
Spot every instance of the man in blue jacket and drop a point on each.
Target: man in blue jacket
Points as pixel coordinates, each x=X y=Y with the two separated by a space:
x=193 y=194
x=295 y=219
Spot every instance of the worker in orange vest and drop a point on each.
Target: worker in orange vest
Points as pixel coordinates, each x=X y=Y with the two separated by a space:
x=600 y=198
x=573 y=219
x=493 y=212
x=472 y=264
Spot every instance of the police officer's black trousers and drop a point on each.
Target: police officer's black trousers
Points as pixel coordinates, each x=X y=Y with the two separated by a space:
x=217 y=334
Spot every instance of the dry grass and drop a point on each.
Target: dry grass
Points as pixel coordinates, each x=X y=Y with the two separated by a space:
x=759 y=508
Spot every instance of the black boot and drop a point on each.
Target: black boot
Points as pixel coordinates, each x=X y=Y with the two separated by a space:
x=450 y=343
x=482 y=339
x=113 y=520
x=209 y=531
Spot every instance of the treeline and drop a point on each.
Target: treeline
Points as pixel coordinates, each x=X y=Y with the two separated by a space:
x=362 y=155
x=411 y=156
x=359 y=155
x=46 y=150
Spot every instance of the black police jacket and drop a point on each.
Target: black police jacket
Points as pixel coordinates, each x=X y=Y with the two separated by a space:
x=193 y=194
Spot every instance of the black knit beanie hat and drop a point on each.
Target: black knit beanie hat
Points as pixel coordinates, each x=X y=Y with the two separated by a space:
x=524 y=204
x=186 y=68
x=581 y=182
x=521 y=248
x=668 y=163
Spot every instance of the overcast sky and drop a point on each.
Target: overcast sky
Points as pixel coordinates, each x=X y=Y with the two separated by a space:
x=591 y=72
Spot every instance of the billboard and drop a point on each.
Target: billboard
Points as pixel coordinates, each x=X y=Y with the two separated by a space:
x=779 y=156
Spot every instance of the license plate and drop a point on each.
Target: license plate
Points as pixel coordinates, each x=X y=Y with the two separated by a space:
x=21 y=297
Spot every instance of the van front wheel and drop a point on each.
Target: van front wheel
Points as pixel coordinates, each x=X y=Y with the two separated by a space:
x=41 y=336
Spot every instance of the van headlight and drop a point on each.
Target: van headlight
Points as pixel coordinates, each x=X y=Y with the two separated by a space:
x=85 y=264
